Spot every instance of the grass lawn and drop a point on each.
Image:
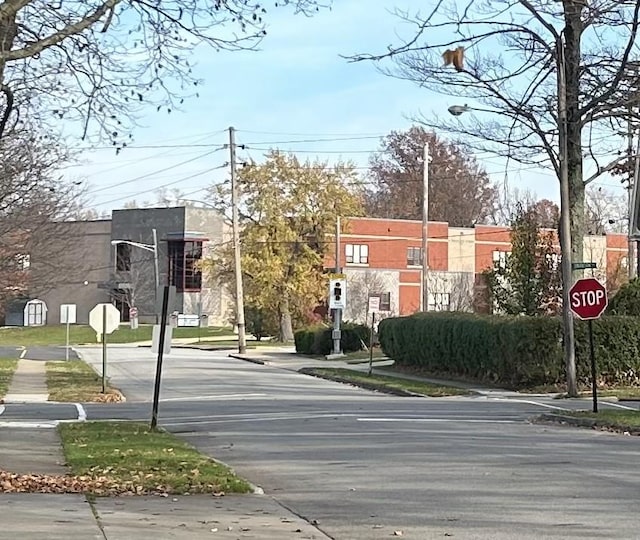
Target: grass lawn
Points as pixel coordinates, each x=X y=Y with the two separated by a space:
x=618 y=418
x=81 y=334
x=75 y=381
x=624 y=392
x=128 y=457
x=385 y=382
x=7 y=367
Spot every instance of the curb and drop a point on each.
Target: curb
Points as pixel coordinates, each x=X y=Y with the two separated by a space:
x=552 y=418
x=247 y=359
x=365 y=385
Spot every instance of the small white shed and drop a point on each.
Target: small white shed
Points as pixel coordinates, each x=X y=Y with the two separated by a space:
x=35 y=313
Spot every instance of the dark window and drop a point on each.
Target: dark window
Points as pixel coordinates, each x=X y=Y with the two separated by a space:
x=123 y=257
x=385 y=301
x=414 y=256
x=184 y=257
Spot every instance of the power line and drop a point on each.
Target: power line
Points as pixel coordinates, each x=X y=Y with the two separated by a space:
x=153 y=173
x=183 y=179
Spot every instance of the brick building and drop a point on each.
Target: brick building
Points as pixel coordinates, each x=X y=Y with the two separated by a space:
x=384 y=257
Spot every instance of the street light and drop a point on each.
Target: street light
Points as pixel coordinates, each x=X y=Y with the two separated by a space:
x=148 y=247
x=564 y=230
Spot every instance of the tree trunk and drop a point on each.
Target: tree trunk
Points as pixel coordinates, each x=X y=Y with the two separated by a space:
x=572 y=49
x=286 y=326
x=573 y=34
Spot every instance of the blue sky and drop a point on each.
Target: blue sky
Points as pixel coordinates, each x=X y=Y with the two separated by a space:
x=297 y=87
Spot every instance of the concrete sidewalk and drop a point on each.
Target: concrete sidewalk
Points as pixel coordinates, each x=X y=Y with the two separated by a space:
x=29 y=384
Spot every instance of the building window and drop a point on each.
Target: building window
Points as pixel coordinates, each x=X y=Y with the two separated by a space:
x=23 y=261
x=356 y=253
x=123 y=257
x=385 y=301
x=624 y=262
x=554 y=260
x=439 y=302
x=184 y=257
x=500 y=258
x=414 y=256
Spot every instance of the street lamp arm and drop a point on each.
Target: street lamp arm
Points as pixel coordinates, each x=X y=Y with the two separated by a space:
x=136 y=244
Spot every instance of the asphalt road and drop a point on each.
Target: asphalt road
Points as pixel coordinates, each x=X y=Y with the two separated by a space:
x=366 y=465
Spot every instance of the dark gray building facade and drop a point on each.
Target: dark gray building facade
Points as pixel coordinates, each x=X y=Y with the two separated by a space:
x=115 y=261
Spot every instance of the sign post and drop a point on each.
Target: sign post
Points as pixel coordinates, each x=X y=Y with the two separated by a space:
x=588 y=301
x=104 y=319
x=133 y=318
x=374 y=307
x=68 y=317
x=167 y=293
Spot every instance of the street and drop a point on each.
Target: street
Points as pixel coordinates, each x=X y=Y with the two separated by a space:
x=364 y=465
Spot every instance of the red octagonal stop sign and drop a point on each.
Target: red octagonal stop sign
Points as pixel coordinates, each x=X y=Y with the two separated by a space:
x=588 y=298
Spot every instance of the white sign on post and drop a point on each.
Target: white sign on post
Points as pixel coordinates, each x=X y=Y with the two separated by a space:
x=104 y=313
x=374 y=304
x=68 y=314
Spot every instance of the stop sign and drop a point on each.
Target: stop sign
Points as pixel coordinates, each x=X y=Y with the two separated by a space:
x=588 y=298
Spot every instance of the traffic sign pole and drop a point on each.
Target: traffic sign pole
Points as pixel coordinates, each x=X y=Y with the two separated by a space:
x=588 y=301
x=594 y=388
x=104 y=348
x=373 y=323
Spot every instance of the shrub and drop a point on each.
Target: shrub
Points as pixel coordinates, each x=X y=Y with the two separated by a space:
x=516 y=352
x=261 y=323
x=318 y=340
x=627 y=300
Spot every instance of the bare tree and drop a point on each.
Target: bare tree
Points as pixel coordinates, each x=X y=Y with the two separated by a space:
x=134 y=269
x=606 y=211
x=100 y=61
x=511 y=52
x=546 y=75
x=460 y=191
x=34 y=206
x=361 y=286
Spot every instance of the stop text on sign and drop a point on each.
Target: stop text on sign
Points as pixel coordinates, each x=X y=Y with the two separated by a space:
x=587 y=298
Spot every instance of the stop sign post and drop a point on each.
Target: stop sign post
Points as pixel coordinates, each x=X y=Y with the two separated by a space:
x=588 y=299
x=104 y=319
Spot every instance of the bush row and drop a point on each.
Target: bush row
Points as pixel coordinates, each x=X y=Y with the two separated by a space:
x=317 y=340
x=516 y=352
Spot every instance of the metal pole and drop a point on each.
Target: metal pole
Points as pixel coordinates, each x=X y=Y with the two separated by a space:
x=161 y=339
x=373 y=322
x=565 y=227
x=632 y=182
x=424 y=293
x=594 y=388
x=156 y=269
x=235 y=196
x=104 y=348
x=634 y=212
x=337 y=316
x=67 y=318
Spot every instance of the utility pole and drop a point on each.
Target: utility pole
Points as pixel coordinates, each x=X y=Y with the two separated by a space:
x=565 y=225
x=337 y=315
x=235 y=196
x=424 y=292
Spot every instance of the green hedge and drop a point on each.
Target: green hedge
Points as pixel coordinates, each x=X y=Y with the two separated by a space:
x=317 y=340
x=516 y=352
